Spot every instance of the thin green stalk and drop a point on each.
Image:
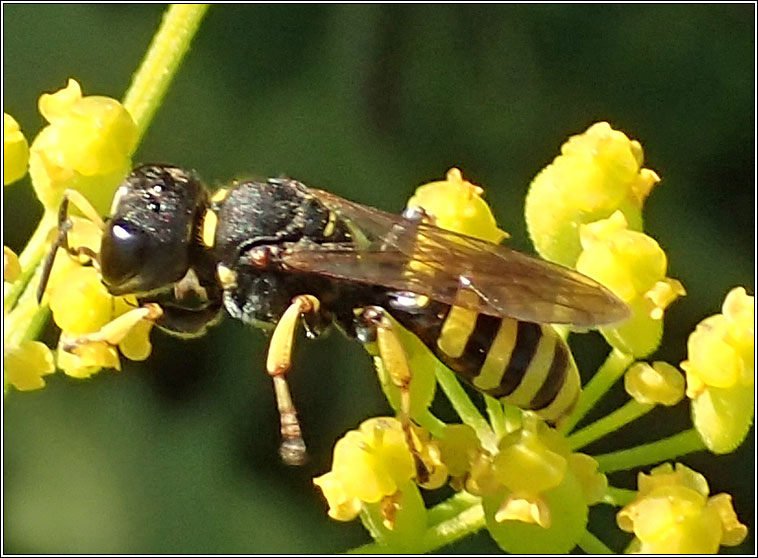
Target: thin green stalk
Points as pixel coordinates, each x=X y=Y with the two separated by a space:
x=655 y=452
x=451 y=507
x=27 y=318
x=368 y=523
x=590 y=544
x=622 y=416
x=169 y=45
x=465 y=523
x=618 y=497
x=496 y=415
x=611 y=370
x=464 y=407
x=434 y=425
x=29 y=258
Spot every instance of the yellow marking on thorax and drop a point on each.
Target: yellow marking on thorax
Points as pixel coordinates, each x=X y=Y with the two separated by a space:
x=498 y=357
x=208 y=234
x=219 y=195
x=538 y=368
x=227 y=278
x=456 y=330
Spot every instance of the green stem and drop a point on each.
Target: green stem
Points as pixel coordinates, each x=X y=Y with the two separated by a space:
x=590 y=544
x=467 y=521
x=451 y=507
x=497 y=416
x=632 y=410
x=611 y=370
x=26 y=320
x=655 y=452
x=169 y=45
x=30 y=257
x=368 y=523
x=434 y=425
x=464 y=407
x=618 y=497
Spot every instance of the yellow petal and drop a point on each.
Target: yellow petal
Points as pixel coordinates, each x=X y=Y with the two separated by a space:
x=26 y=364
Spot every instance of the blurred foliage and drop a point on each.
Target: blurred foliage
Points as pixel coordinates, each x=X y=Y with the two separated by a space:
x=178 y=455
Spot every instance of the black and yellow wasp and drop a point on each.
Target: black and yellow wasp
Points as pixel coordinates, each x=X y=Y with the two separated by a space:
x=276 y=253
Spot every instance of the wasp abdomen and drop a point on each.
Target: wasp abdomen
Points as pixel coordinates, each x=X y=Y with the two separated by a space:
x=522 y=363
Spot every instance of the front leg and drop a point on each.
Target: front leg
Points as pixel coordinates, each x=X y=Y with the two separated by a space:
x=114 y=331
x=278 y=364
x=61 y=241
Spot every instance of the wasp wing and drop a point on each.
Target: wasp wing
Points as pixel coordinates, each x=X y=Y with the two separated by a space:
x=402 y=254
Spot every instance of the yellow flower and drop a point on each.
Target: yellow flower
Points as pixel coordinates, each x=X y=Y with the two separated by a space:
x=342 y=506
x=720 y=350
x=373 y=474
x=527 y=468
x=633 y=266
x=369 y=464
x=672 y=514
x=542 y=503
x=660 y=383
x=86 y=360
x=457 y=205
x=534 y=461
x=87 y=146
x=598 y=173
x=26 y=365
x=15 y=150
x=720 y=370
x=459 y=447
x=11 y=266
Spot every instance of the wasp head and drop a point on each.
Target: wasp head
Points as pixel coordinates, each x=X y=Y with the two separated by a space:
x=148 y=243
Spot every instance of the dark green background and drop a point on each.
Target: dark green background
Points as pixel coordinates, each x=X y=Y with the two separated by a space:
x=179 y=454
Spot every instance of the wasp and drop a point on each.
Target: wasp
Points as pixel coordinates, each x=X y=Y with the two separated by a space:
x=276 y=253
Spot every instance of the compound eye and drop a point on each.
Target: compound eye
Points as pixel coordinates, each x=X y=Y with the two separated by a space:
x=122 y=252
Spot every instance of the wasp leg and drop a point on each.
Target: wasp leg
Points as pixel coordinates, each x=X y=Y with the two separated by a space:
x=395 y=361
x=278 y=363
x=188 y=322
x=64 y=225
x=115 y=330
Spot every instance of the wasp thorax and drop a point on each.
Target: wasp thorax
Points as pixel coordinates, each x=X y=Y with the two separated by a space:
x=149 y=240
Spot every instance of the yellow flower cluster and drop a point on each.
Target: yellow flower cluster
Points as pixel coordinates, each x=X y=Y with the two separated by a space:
x=87 y=147
x=528 y=480
x=672 y=514
x=597 y=173
x=720 y=370
x=585 y=211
